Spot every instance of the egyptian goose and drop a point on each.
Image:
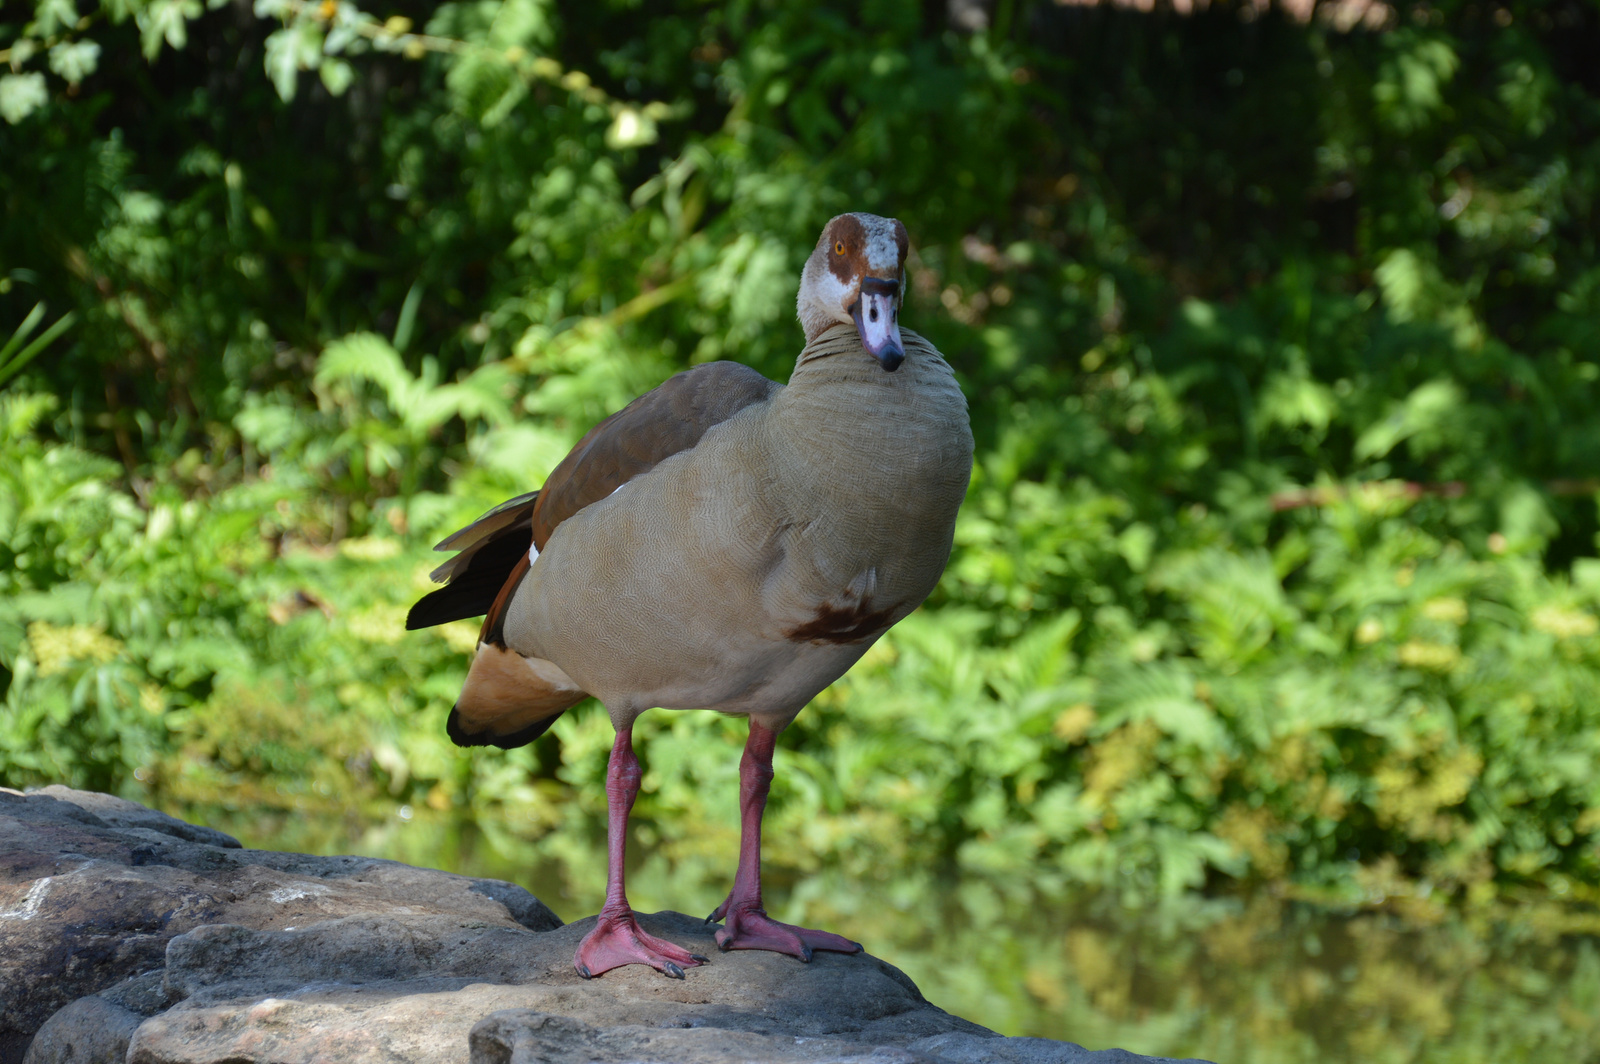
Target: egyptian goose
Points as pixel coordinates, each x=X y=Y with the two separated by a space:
x=724 y=542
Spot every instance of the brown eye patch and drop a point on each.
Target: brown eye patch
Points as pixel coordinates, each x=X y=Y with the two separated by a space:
x=846 y=236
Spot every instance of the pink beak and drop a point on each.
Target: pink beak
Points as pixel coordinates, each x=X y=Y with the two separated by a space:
x=877 y=316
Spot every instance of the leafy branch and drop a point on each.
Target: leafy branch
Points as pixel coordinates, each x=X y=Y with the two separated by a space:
x=314 y=37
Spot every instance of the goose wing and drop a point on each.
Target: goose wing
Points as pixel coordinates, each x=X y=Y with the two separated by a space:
x=493 y=550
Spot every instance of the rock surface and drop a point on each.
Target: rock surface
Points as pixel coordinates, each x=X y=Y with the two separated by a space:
x=126 y=934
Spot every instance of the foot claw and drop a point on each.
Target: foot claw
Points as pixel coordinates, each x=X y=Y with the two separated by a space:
x=702 y=960
x=671 y=970
x=583 y=970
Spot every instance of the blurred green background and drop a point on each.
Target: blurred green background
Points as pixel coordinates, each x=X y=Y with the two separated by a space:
x=1258 y=714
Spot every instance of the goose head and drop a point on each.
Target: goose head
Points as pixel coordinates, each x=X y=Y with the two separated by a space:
x=856 y=276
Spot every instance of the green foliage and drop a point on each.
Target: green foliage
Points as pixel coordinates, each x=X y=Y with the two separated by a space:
x=1279 y=560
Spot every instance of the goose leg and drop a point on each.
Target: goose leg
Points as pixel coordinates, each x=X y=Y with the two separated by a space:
x=747 y=925
x=617 y=938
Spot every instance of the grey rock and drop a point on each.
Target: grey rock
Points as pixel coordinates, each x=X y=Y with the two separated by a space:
x=412 y=986
x=93 y=887
x=525 y=1036
x=126 y=935
x=114 y=812
x=91 y=1030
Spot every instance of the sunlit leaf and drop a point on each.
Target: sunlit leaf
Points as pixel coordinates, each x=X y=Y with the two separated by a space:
x=74 y=60
x=290 y=50
x=21 y=95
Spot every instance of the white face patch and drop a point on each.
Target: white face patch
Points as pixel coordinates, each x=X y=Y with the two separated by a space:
x=833 y=292
x=883 y=251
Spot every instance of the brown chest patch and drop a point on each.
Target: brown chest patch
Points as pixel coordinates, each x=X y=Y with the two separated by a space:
x=846 y=624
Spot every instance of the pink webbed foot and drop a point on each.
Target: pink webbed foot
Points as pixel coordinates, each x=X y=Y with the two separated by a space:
x=752 y=928
x=619 y=940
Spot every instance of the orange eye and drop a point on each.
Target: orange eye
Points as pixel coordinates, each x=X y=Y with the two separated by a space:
x=838 y=247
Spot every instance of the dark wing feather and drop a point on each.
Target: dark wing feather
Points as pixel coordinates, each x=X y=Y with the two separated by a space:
x=494 y=548
x=474 y=580
x=489 y=549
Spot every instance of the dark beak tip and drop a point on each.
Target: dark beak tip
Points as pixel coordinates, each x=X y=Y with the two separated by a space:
x=891 y=357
